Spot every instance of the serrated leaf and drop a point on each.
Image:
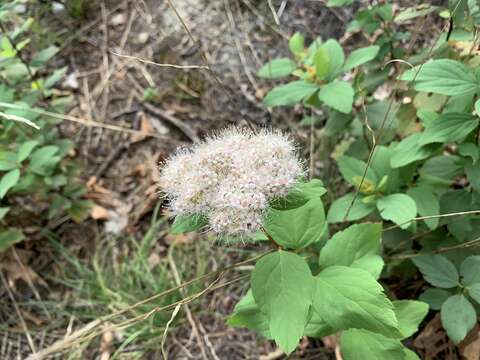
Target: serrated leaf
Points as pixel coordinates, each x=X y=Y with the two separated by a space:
x=427 y=204
x=339 y=207
x=435 y=297
x=338 y=95
x=408 y=151
x=458 y=317
x=362 y=344
x=277 y=68
x=444 y=76
x=361 y=56
x=357 y=246
x=300 y=195
x=437 y=270
x=282 y=287
x=296 y=228
x=449 y=127
x=351 y=298
x=317 y=327
x=410 y=314
x=9 y=237
x=443 y=167
x=247 y=314
x=9 y=180
x=352 y=169
x=470 y=270
x=290 y=93
x=187 y=223
x=398 y=208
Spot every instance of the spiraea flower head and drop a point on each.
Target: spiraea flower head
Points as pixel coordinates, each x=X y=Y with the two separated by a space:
x=231 y=178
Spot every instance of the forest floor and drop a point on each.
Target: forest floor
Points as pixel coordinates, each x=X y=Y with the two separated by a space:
x=82 y=272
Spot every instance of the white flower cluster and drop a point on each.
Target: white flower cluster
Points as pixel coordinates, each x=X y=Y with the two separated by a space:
x=231 y=178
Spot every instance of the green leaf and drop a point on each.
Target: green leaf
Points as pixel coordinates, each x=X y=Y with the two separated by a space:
x=470 y=150
x=277 y=68
x=9 y=237
x=398 y=208
x=300 y=195
x=351 y=298
x=353 y=169
x=317 y=327
x=290 y=93
x=43 y=160
x=339 y=207
x=25 y=150
x=361 y=56
x=435 y=297
x=247 y=314
x=470 y=270
x=321 y=60
x=41 y=58
x=449 y=127
x=362 y=344
x=474 y=292
x=282 y=287
x=9 y=180
x=338 y=95
x=458 y=317
x=296 y=44
x=444 y=76
x=414 y=12
x=408 y=151
x=410 y=314
x=357 y=246
x=437 y=270
x=427 y=204
x=54 y=78
x=4 y=211
x=443 y=167
x=477 y=107
x=187 y=223
x=296 y=228
x=334 y=3
x=80 y=210
x=336 y=56
x=409 y=354
x=472 y=170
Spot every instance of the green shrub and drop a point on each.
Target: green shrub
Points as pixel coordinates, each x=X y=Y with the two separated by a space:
x=411 y=162
x=36 y=162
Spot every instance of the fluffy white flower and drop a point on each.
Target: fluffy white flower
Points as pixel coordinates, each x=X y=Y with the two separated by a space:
x=231 y=178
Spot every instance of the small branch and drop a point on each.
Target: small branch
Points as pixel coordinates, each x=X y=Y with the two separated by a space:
x=465 y=245
x=275 y=244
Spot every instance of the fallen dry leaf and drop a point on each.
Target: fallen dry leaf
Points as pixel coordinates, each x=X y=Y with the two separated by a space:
x=146 y=129
x=99 y=213
x=432 y=340
x=470 y=347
